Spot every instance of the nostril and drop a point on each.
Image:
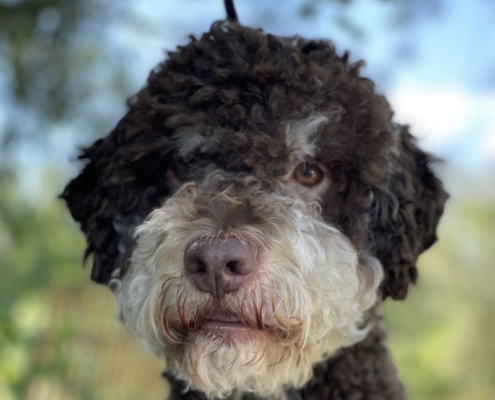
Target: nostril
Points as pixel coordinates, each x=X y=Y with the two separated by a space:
x=199 y=267
x=232 y=266
x=195 y=265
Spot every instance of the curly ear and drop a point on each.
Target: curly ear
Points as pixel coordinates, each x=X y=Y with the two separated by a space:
x=122 y=181
x=405 y=215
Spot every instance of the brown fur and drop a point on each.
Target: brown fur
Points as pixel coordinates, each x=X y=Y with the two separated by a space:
x=222 y=102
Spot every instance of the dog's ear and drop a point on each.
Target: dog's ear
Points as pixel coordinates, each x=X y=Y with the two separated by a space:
x=122 y=181
x=405 y=215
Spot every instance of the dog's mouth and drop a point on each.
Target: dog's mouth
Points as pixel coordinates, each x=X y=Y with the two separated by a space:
x=225 y=323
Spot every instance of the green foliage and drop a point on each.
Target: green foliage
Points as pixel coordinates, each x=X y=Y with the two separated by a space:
x=40 y=251
x=442 y=335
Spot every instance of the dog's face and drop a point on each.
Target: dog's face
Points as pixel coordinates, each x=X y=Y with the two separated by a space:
x=247 y=208
x=239 y=283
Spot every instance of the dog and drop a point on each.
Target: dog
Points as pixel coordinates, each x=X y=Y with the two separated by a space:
x=251 y=211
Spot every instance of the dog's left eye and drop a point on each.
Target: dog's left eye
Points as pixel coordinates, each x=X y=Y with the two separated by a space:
x=308 y=174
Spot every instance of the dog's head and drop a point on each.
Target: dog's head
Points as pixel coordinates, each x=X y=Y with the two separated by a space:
x=251 y=206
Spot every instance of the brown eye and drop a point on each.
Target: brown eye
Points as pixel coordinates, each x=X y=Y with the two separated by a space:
x=308 y=174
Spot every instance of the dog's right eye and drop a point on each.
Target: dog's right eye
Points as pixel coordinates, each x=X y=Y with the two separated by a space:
x=181 y=171
x=308 y=174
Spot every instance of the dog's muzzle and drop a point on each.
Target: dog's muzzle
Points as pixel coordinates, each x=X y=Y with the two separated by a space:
x=239 y=284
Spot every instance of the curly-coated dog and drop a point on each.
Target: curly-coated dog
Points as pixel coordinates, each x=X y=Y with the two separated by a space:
x=250 y=212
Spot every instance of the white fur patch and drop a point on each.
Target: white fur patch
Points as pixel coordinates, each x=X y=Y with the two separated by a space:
x=302 y=136
x=204 y=140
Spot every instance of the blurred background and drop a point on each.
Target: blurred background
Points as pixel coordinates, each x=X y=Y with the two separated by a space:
x=66 y=68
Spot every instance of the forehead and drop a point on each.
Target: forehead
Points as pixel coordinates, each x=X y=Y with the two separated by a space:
x=288 y=142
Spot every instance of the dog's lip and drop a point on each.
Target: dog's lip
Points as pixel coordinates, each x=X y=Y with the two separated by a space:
x=226 y=323
x=225 y=326
x=233 y=331
x=222 y=316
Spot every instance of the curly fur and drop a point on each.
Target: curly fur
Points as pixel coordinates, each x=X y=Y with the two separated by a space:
x=309 y=293
x=251 y=106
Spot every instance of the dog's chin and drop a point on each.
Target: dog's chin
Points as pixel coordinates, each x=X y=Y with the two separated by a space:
x=225 y=353
x=223 y=357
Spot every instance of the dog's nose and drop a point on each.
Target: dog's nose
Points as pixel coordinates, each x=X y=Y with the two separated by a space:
x=220 y=266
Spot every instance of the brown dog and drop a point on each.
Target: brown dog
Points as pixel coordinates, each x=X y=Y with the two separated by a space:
x=251 y=211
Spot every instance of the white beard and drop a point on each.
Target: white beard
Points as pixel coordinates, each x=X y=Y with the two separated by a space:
x=306 y=301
